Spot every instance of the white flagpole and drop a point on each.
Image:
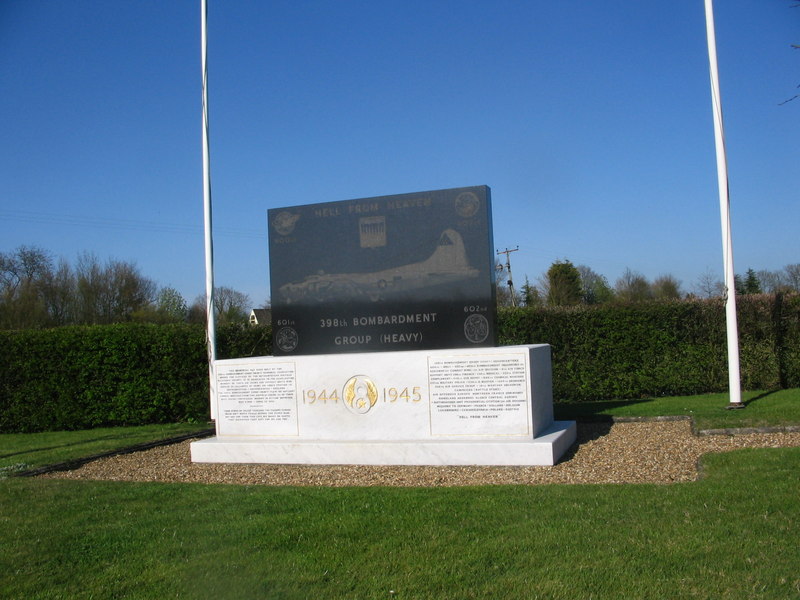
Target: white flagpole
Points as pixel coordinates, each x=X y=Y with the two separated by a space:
x=211 y=331
x=734 y=383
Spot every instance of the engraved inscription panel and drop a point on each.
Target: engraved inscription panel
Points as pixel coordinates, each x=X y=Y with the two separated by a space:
x=405 y=272
x=256 y=398
x=479 y=395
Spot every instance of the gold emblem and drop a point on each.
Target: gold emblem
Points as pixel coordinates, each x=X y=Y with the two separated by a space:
x=360 y=394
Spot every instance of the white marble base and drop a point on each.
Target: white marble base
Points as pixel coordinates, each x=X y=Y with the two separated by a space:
x=542 y=450
x=481 y=406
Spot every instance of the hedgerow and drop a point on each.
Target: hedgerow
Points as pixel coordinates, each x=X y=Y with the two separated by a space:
x=105 y=375
x=131 y=374
x=661 y=348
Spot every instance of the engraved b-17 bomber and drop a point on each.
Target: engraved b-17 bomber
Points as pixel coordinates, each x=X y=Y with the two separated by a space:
x=447 y=264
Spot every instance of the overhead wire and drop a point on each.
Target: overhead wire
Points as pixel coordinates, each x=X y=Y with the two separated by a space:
x=125 y=224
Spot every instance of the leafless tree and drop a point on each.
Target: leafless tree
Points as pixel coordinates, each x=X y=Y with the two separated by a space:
x=59 y=293
x=230 y=306
x=110 y=293
x=709 y=285
x=771 y=281
x=21 y=275
x=793 y=276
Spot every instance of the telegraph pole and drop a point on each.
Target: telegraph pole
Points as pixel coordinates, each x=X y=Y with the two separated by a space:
x=508 y=252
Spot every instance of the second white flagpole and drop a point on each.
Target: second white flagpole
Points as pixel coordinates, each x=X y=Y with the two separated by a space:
x=734 y=383
x=211 y=331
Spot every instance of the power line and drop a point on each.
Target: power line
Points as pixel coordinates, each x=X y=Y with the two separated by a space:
x=124 y=224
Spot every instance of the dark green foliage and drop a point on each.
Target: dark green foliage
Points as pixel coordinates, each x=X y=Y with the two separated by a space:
x=236 y=340
x=738 y=285
x=661 y=348
x=786 y=324
x=564 y=282
x=751 y=283
x=132 y=374
x=594 y=287
x=129 y=374
x=530 y=295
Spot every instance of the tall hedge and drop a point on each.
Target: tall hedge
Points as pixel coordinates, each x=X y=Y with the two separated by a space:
x=130 y=374
x=661 y=348
x=83 y=377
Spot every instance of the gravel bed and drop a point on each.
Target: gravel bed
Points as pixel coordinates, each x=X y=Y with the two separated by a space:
x=643 y=452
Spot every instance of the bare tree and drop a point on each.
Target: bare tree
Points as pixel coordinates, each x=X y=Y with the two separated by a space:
x=771 y=281
x=59 y=292
x=130 y=290
x=543 y=285
x=793 y=276
x=110 y=293
x=24 y=266
x=709 y=285
x=230 y=306
x=22 y=274
x=91 y=287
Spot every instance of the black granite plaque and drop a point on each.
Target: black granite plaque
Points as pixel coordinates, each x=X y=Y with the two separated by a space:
x=404 y=272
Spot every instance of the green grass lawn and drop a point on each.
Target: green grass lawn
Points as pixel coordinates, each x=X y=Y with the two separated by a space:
x=22 y=451
x=731 y=535
x=734 y=534
x=28 y=451
x=762 y=409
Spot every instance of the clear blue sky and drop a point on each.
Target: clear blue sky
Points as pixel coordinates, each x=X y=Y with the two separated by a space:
x=590 y=121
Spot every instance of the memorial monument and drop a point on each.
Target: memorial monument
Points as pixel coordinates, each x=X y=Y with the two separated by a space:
x=405 y=272
x=384 y=345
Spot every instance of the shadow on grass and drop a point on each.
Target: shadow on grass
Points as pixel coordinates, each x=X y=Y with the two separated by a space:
x=595 y=411
x=67 y=445
x=757 y=398
x=590 y=411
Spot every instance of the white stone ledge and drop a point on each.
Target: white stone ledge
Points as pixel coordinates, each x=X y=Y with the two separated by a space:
x=543 y=450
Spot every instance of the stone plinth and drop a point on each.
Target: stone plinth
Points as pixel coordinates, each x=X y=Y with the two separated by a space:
x=486 y=406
